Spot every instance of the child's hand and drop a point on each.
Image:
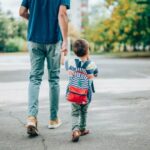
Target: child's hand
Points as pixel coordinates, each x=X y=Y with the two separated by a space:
x=62 y=59
x=90 y=76
x=70 y=72
x=95 y=75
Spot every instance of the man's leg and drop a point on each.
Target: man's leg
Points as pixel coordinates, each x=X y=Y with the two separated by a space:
x=37 y=57
x=53 y=65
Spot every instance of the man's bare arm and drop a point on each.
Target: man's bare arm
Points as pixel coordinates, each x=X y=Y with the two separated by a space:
x=23 y=12
x=63 y=22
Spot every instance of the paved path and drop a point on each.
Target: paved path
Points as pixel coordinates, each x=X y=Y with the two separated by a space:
x=119 y=117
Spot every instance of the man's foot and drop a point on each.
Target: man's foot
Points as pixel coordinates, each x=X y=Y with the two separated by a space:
x=53 y=124
x=84 y=132
x=32 y=126
x=76 y=135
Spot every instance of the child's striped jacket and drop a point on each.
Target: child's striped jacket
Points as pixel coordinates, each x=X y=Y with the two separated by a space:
x=79 y=79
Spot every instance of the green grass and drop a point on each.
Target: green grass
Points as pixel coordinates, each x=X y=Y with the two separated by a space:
x=125 y=54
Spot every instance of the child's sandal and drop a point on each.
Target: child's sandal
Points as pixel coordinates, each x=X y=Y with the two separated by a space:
x=76 y=135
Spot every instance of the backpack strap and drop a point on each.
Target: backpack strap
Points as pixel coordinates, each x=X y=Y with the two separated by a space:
x=78 y=63
x=66 y=65
x=86 y=64
x=93 y=88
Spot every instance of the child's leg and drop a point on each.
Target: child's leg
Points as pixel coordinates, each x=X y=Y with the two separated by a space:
x=75 y=116
x=83 y=116
x=75 y=122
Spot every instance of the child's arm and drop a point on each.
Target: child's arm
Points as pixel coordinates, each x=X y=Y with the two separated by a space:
x=62 y=59
x=69 y=68
x=92 y=70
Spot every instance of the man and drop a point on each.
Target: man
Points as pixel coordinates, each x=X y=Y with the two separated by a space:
x=47 y=25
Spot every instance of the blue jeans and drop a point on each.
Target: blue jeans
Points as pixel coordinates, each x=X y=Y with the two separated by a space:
x=38 y=54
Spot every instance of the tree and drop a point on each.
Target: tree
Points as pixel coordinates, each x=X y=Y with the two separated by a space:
x=12 y=31
x=124 y=28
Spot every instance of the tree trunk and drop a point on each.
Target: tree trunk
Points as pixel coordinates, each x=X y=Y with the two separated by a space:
x=125 y=48
x=144 y=47
x=119 y=47
x=134 y=48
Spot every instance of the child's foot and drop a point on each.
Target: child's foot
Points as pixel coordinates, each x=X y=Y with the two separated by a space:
x=76 y=135
x=84 y=132
x=32 y=126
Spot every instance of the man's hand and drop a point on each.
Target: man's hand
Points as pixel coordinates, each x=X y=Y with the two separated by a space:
x=23 y=12
x=64 y=52
x=64 y=48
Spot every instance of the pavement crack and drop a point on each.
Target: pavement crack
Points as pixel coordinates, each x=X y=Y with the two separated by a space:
x=23 y=124
x=43 y=142
x=17 y=118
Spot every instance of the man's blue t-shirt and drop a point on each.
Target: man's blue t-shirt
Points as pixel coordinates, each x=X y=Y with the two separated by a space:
x=43 y=26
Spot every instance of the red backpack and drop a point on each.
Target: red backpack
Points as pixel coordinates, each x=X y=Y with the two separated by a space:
x=78 y=87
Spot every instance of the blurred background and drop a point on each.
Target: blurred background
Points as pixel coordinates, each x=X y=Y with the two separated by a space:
x=119 y=114
x=111 y=26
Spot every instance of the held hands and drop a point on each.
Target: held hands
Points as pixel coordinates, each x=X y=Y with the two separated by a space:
x=62 y=59
x=64 y=52
x=64 y=48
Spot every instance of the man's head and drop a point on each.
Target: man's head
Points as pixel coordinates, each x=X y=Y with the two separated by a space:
x=81 y=48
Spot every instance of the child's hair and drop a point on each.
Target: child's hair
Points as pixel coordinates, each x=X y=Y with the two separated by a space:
x=81 y=47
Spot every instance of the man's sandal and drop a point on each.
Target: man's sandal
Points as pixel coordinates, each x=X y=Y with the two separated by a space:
x=32 y=126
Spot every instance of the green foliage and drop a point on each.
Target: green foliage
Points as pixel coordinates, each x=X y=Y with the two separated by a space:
x=10 y=30
x=14 y=45
x=128 y=28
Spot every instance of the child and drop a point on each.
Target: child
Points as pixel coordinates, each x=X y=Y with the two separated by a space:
x=75 y=69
